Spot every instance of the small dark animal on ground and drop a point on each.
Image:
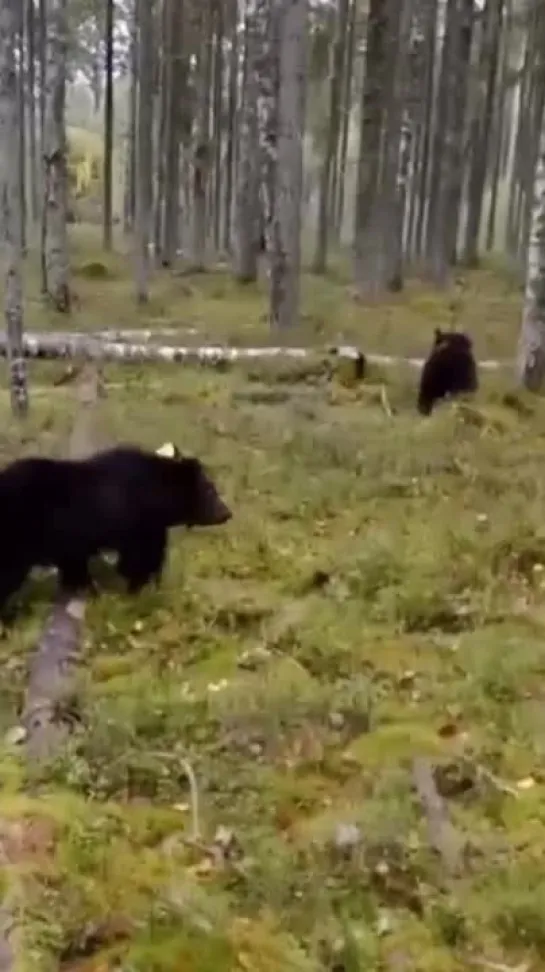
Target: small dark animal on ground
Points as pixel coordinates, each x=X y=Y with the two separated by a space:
x=449 y=370
x=60 y=513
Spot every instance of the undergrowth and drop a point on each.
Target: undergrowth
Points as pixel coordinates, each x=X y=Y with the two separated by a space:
x=379 y=596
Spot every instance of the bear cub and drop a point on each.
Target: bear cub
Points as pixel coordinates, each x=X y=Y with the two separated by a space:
x=450 y=369
x=60 y=512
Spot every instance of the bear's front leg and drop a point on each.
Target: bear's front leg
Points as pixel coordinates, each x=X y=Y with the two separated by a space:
x=142 y=560
x=74 y=576
x=12 y=577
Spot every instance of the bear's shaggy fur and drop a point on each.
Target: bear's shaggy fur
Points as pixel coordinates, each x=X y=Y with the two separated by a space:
x=58 y=512
x=449 y=370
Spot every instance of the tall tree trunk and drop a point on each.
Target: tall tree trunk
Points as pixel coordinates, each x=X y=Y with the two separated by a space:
x=21 y=84
x=424 y=167
x=55 y=168
x=42 y=54
x=482 y=127
x=160 y=146
x=531 y=357
x=108 y=124
x=369 y=156
x=31 y=89
x=457 y=125
x=10 y=222
x=144 y=141
x=202 y=151
x=514 y=206
x=286 y=252
x=447 y=171
x=346 y=112
x=266 y=15
x=217 y=110
x=129 y=202
x=531 y=352
x=389 y=207
x=176 y=80
x=503 y=110
x=248 y=214
x=332 y=141
x=231 y=126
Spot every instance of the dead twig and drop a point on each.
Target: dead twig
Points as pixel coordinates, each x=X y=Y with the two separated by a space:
x=384 y=402
x=442 y=835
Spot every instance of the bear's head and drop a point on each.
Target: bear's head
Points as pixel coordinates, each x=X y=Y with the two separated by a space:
x=192 y=498
x=456 y=340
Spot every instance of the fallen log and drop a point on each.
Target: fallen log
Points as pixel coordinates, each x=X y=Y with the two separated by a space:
x=57 y=652
x=49 y=682
x=77 y=345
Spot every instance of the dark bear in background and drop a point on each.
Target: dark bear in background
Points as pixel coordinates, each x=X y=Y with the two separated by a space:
x=60 y=513
x=450 y=369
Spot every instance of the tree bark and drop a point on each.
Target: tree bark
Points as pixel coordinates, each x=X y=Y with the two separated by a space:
x=531 y=352
x=31 y=89
x=247 y=219
x=21 y=128
x=54 y=156
x=144 y=140
x=325 y=195
x=231 y=127
x=108 y=124
x=10 y=225
x=369 y=155
x=129 y=201
x=285 y=257
x=176 y=89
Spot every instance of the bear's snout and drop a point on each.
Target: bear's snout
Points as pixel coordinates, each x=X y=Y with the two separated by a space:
x=221 y=514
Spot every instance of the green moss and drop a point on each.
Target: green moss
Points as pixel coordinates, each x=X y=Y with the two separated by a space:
x=378 y=595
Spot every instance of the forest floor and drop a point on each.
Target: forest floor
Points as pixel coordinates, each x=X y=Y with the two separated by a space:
x=378 y=598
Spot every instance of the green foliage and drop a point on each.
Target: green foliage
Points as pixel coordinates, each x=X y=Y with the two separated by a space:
x=378 y=596
x=85 y=153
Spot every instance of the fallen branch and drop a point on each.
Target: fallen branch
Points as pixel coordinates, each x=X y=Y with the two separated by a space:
x=442 y=835
x=95 y=347
x=57 y=652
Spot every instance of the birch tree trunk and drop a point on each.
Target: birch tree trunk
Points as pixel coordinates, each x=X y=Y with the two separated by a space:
x=288 y=187
x=11 y=205
x=108 y=124
x=248 y=217
x=129 y=199
x=231 y=126
x=265 y=15
x=54 y=158
x=42 y=54
x=346 y=111
x=21 y=125
x=31 y=89
x=144 y=139
x=531 y=351
x=218 y=123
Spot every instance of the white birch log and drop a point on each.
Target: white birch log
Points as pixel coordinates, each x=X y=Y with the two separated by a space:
x=53 y=346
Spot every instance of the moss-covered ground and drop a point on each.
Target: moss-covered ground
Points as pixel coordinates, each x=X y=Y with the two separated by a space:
x=379 y=596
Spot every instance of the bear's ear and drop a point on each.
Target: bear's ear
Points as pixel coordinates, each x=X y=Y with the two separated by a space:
x=438 y=335
x=169 y=451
